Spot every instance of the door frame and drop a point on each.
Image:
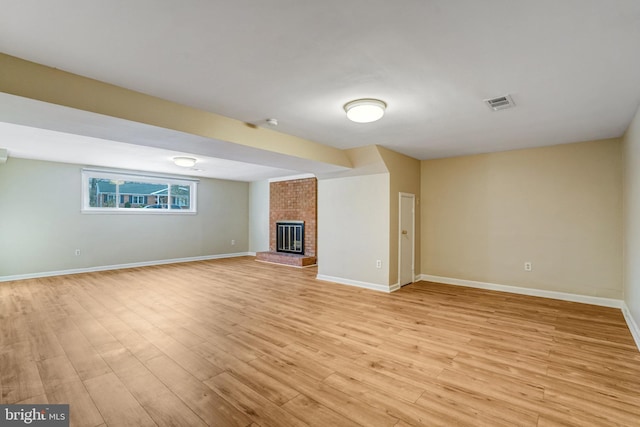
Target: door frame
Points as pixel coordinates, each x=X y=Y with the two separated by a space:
x=413 y=236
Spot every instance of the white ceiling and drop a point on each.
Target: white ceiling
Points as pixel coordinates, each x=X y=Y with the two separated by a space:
x=571 y=66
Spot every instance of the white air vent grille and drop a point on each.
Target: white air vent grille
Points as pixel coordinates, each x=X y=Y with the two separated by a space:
x=500 y=103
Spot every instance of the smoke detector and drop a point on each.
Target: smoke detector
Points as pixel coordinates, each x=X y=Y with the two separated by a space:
x=500 y=103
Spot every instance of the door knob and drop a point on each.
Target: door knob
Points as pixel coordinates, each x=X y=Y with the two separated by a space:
x=404 y=231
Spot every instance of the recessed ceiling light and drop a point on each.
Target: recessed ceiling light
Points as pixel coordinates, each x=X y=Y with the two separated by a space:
x=365 y=110
x=185 y=162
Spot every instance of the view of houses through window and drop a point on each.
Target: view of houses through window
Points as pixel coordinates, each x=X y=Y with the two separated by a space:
x=108 y=191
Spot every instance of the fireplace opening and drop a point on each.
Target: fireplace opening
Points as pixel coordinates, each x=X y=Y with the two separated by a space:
x=290 y=237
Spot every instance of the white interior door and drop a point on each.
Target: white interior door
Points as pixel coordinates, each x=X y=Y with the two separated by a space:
x=407 y=238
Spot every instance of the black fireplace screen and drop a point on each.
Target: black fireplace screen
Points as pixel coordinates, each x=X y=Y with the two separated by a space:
x=290 y=237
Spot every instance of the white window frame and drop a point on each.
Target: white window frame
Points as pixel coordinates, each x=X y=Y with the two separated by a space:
x=87 y=174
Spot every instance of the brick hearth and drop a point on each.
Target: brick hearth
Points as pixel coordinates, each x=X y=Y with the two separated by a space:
x=287 y=259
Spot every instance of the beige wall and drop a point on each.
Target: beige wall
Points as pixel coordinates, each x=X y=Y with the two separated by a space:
x=365 y=201
x=558 y=207
x=404 y=173
x=41 y=224
x=631 y=261
x=353 y=221
x=353 y=224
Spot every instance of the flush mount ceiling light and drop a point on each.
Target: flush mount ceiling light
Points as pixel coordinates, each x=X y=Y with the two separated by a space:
x=365 y=110
x=185 y=162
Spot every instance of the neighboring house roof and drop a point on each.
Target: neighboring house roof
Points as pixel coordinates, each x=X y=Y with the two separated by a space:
x=137 y=188
x=132 y=188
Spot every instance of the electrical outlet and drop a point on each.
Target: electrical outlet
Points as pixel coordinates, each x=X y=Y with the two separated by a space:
x=77 y=252
x=233 y=242
x=527 y=266
x=379 y=264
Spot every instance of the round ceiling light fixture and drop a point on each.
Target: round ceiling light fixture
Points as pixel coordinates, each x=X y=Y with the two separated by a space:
x=185 y=162
x=365 y=110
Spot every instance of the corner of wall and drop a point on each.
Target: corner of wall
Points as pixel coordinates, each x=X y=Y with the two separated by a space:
x=632 y=324
x=631 y=224
x=404 y=177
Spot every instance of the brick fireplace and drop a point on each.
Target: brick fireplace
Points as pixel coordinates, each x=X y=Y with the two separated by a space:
x=293 y=201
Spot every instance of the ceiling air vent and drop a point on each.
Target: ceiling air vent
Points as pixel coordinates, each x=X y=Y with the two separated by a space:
x=500 y=103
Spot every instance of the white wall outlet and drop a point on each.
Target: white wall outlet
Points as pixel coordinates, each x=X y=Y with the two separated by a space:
x=77 y=252
x=527 y=266
x=379 y=263
x=233 y=242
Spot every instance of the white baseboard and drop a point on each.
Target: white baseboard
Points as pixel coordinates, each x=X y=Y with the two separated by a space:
x=118 y=266
x=394 y=287
x=631 y=323
x=586 y=299
x=366 y=285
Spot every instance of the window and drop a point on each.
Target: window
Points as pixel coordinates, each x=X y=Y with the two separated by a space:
x=108 y=200
x=138 y=200
x=105 y=191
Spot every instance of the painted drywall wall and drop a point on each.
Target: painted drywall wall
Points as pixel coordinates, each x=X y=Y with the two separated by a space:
x=558 y=207
x=41 y=224
x=365 y=160
x=353 y=224
x=631 y=213
x=404 y=173
x=259 y=216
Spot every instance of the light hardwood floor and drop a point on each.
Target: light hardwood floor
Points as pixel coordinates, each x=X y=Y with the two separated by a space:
x=235 y=342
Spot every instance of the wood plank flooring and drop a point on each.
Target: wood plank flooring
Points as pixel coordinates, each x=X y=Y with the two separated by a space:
x=236 y=342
